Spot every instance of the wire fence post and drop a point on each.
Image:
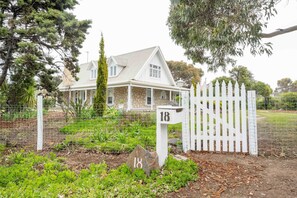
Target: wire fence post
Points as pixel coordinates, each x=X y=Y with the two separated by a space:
x=39 y=123
x=252 y=121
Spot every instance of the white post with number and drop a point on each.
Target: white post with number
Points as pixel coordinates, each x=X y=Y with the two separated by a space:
x=166 y=115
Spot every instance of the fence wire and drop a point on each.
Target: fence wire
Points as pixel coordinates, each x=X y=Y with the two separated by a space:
x=120 y=131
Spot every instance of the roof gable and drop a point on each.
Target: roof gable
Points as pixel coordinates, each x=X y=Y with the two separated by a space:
x=156 y=58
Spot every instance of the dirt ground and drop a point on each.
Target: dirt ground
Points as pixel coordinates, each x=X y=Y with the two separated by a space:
x=228 y=175
x=220 y=175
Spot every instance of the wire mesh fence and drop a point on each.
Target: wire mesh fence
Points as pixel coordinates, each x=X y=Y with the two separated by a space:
x=118 y=131
x=277 y=128
x=114 y=131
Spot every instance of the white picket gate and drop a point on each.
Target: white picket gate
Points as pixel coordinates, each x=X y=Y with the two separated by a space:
x=218 y=119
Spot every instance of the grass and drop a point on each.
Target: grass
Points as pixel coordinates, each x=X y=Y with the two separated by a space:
x=114 y=135
x=277 y=132
x=279 y=117
x=30 y=175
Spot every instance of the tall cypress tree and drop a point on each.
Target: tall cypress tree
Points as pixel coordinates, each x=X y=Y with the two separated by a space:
x=102 y=75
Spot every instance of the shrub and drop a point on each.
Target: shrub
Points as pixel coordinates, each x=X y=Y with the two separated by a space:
x=289 y=101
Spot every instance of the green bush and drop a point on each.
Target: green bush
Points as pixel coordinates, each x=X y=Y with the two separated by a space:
x=289 y=101
x=31 y=175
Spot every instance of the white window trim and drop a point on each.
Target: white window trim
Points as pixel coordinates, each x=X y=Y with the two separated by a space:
x=155 y=71
x=112 y=71
x=148 y=93
x=93 y=74
x=110 y=93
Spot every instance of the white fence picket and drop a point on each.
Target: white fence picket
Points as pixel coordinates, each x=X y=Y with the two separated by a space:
x=243 y=119
x=237 y=119
x=192 y=119
x=198 y=117
x=204 y=118
x=230 y=117
x=211 y=115
x=219 y=120
x=217 y=117
x=224 y=117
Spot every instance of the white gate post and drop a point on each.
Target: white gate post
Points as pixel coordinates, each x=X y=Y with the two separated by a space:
x=39 y=123
x=252 y=121
x=166 y=115
x=185 y=121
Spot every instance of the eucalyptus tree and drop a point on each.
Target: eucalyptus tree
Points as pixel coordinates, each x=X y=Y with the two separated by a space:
x=214 y=32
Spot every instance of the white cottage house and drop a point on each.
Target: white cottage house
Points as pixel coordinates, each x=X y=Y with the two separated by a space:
x=139 y=80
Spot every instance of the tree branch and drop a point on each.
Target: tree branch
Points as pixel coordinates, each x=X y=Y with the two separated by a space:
x=279 y=32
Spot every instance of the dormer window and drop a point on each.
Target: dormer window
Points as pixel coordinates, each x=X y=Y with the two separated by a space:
x=93 y=74
x=155 y=71
x=112 y=70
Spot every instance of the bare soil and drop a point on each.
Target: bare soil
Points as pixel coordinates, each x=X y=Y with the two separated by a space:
x=229 y=175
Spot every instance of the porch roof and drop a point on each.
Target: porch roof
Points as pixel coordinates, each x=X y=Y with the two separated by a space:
x=132 y=83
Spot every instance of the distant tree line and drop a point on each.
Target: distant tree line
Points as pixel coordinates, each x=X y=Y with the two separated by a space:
x=283 y=97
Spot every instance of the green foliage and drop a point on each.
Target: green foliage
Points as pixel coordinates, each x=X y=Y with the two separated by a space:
x=214 y=32
x=3 y=94
x=286 y=85
x=186 y=72
x=289 y=101
x=28 y=98
x=242 y=75
x=2 y=148
x=14 y=114
x=101 y=83
x=30 y=175
x=111 y=135
x=263 y=90
x=223 y=78
x=49 y=102
x=46 y=35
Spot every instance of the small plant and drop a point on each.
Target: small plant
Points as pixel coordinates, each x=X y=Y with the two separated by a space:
x=28 y=174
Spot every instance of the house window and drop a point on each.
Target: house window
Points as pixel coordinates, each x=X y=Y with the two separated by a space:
x=112 y=70
x=93 y=74
x=163 y=95
x=92 y=95
x=82 y=96
x=76 y=97
x=110 y=96
x=148 y=96
x=155 y=71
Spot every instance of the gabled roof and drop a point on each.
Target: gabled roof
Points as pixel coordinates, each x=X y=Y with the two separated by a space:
x=132 y=64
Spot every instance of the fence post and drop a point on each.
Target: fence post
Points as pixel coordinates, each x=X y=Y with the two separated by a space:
x=252 y=122
x=39 y=123
x=185 y=122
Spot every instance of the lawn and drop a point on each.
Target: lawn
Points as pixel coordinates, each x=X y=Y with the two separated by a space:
x=277 y=133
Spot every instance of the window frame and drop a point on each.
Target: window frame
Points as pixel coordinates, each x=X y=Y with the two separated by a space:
x=110 y=94
x=93 y=74
x=155 y=71
x=148 y=96
x=112 y=71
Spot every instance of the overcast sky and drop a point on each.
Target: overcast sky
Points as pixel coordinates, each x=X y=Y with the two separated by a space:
x=138 y=24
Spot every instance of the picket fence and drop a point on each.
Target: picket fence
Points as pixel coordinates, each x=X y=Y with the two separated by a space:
x=218 y=118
